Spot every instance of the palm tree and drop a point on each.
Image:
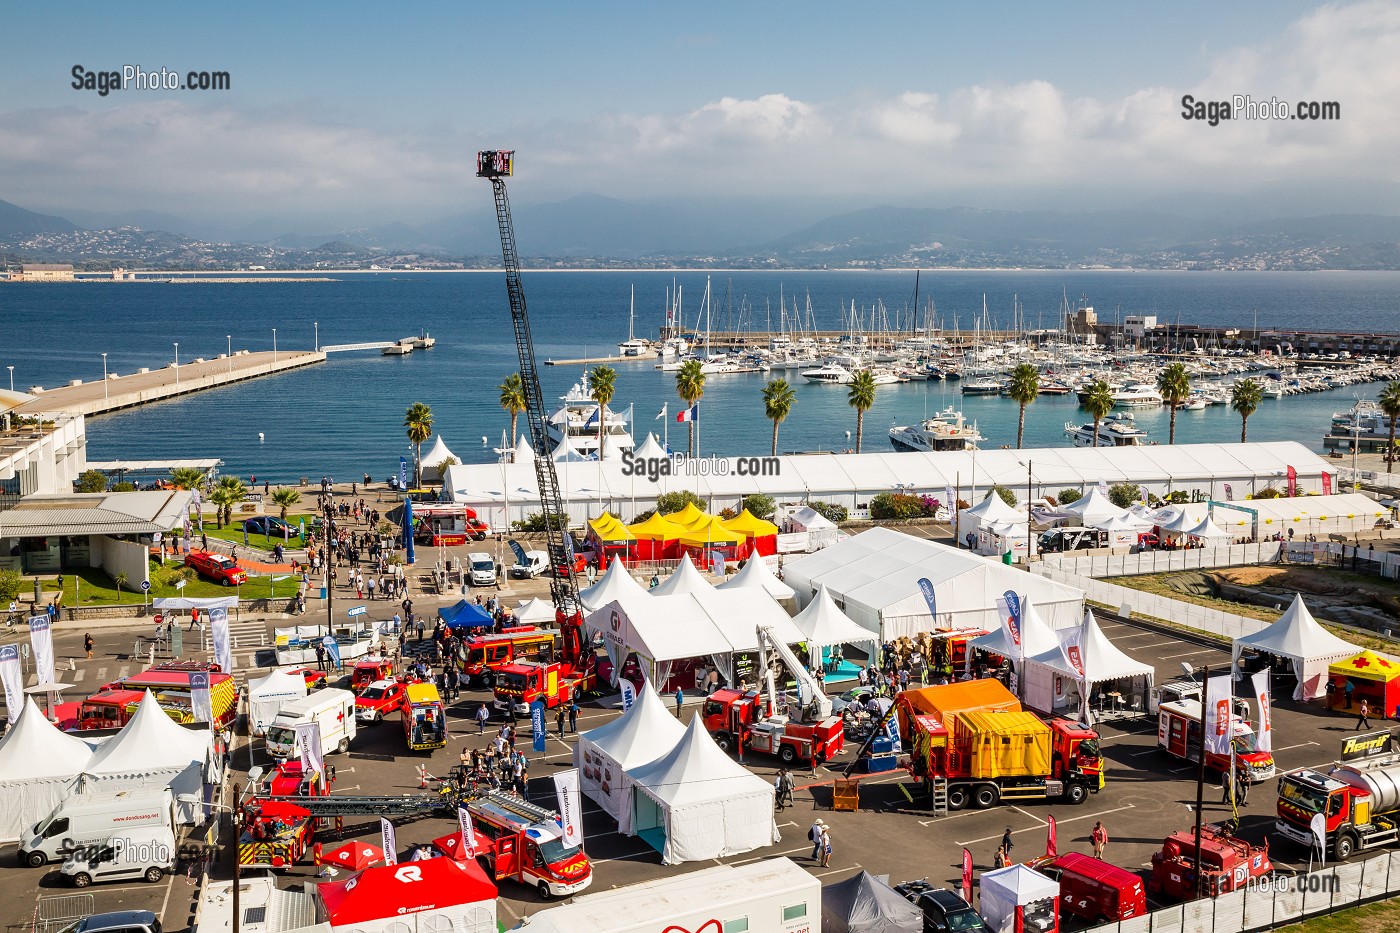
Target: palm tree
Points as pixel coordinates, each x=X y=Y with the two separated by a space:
x=513 y=400
x=187 y=478
x=229 y=491
x=690 y=386
x=285 y=497
x=1174 y=385
x=602 y=382
x=1390 y=407
x=861 y=397
x=1245 y=397
x=778 y=399
x=1098 y=403
x=1024 y=387
x=418 y=422
x=120 y=580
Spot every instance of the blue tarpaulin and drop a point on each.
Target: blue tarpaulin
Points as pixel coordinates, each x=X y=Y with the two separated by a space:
x=465 y=615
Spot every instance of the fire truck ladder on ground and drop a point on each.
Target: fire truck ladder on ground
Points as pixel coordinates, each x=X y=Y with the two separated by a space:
x=496 y=166
x=364 y=806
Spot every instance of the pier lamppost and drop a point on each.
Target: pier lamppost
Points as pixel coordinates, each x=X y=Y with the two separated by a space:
x=177 y=364
x=12 y=377
x=104 y=377
x=229 y=338
x=274 y=344
x=316 y=335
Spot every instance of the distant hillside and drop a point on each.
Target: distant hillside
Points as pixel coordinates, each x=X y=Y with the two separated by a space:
x=16 y=222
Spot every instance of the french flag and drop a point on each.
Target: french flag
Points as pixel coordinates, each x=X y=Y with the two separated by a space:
x=689 y=414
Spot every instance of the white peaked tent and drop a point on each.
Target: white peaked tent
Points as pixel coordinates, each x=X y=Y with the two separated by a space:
x=38 y=764
x=267 y=696
x=821 y=531
x=615 y=583
x=1123 y=529
x=1209 y=533
x=432 y=460
x=684 y=579
x=696 y=802
x=651 y=449
x=755 y=573
x=566 y=451
x=824 y=625
x=152 y=751
x=523 y=452
x=603 y=756
x=990 y=510
x=1005 y=890
x=1297 y=637
x=1086 y=659
x=1035 y=682
x=534 y=611
x=1090 y=509
x=1179 y=522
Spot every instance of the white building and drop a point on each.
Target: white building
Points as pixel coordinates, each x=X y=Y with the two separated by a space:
x=39 y=457
x=1139 y=325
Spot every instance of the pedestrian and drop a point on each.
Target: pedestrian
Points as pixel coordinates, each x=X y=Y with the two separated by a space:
x=573 y=715
x=1001 y=859
x=826 y=847
x=1227 y=783
x=559 y=720
x=320 y=656
x=1348 y=690
x=87 y=645
x=1241 y=788
x=815 y=834
x=1361 y=721
x=680 y=701
x=1006 y=843
x=1099 y=837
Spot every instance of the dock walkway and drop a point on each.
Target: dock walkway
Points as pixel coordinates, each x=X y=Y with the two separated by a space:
x=93 y=398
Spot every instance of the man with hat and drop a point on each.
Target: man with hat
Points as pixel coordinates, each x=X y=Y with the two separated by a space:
x=815 y=834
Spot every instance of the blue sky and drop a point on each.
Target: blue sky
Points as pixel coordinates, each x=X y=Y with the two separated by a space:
x=364 y=113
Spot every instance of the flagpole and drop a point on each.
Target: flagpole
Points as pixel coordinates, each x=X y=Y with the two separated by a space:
x=1201 y=778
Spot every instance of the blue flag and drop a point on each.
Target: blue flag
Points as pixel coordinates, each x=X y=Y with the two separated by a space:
x=518 y=551
x=408 y=530
x=332 y=649
x=926 y=587
x=537 y=726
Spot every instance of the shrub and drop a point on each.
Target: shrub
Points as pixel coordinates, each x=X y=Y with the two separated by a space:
x=727 y=513
x=896 y=506
x=10 y=583
x=90 y=481
x=1269 y=492
x=830 y=511
x=669 y=502
x=124 y=486
x=1124 y=495
x=167 y=577
x=761 y=505
x=1178 y=497
x=1006 y=494
x=532 y=522
x=1067 y=496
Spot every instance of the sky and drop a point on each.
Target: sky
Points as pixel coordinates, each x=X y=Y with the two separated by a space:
x=354 y=114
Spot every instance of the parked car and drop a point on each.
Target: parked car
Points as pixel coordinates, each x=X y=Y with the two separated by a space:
x=269 y=525
x=535 y=564
x=380 y=699
x=217 y=567
x=120 y=921
x=580 y=563
x=944 y=911
x=315 y=679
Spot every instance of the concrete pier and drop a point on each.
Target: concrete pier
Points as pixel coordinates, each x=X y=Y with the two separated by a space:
x=129 y=390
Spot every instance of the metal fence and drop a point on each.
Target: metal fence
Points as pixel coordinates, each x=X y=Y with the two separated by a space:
x=60 y=910
x=1127 y=565
x=1275 y=902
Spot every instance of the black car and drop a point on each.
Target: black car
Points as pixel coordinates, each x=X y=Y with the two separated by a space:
x=269 y=525
x=944 y=911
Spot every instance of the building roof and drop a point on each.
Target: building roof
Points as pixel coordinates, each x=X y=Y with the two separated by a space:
x=98 y=513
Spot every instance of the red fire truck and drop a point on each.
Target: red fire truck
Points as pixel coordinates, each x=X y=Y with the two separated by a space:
x=524 y=843
x=520 y=684
x=1227 y=864
x=487 y=654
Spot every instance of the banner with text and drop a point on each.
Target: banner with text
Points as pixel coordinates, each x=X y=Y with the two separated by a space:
x=200 y=704
x=12 y=675
x=308 y=735
x=1218 y=700
x=218 y=631
x=388 y=842
x=629 y=694
x=1264 y=741
x=464 y=823
x=41 y=638
x=570 y=806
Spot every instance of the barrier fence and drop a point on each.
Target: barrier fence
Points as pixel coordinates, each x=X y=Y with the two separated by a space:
x=1275 y=901
x=1127 y=565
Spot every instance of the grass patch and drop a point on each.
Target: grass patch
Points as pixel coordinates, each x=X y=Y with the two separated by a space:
x=233 y=533
x=1381 y=917
x=95 y=588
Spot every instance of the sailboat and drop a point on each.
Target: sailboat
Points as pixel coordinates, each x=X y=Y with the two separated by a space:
x=633 y=346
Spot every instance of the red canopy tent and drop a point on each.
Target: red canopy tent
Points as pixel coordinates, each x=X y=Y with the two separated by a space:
x=426 y=896
x=356 y=856
x=451 y=844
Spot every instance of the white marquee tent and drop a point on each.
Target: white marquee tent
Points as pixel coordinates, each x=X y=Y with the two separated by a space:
x=992 y=510
x=1035 y=682
x=1090 y=509
x=874 y=579
x=38 y=765
x=820 y=530
x=267 y=696
x=824 y=625
x=684 y=579
x=432 y=461
x=756 y=573
x=152 y=751
x=1004 y=890
x=1086 y=658
x=1297 y=637
x=604 y=755
x=615 y=583
x=651 y=449
x=697 y=803
x=534 y=611
x=523 y=452
x=1209 y=533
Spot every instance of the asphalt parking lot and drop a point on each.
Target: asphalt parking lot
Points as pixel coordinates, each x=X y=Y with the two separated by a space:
x=1147 y=796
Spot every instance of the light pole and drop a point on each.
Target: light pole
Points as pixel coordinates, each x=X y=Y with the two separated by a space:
x=104 y=377
x=316 y=338
x=254 y=775
x=177 y=364
x=12 y=377
x=229 y=338
x=274 y=344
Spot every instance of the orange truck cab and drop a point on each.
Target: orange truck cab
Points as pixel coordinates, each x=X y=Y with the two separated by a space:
x=487 y=654
x=1360 y=803
x=1094 y=890
x=737 y=718
x=1227 y=864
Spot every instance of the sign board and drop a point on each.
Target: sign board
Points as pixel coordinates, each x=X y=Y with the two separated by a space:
x=356 y=611
x=1366 y=745
x=145 y=584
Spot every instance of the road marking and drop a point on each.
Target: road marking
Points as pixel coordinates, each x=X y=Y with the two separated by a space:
x=1189 y=654
x=834 y=871
x=78 y=677
x=1029 y=815
x=1072 y=819
x=781 y=825
x=1157 y=644
x=169 y=887
x=123 y=671
x=1287 y=747
x=619 y=858
x=506 y=904
x=759 y=858
x=101 y=673
x=1149 y=751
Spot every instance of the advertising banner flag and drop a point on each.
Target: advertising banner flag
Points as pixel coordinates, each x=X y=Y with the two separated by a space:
x=518 y=551
x=1318 y=825
x=1051 y=838
x=309 y=747
x=200 y=704
x=1229 y=493
x=1292 y=482
x=629 y=694
x=388 y=842
x=537 y=727
x=403 y=473
x=12 y=675
x=332 y=649
x=570 y=806
x=1218 y=702
x=926 y=588
x=949 y=501
x=1326 y=483
x=967 y=876
x=1265 y=739
x=41 y=638
x=218 y=631
x=1070 y=639
x=464 y=823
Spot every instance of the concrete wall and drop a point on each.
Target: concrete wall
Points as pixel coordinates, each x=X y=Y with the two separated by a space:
x=127 y=557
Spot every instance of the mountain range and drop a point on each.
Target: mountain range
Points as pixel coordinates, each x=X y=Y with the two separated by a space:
x=595 y=230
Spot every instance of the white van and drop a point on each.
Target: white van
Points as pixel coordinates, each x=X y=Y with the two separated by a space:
x=333 y=708
x=147 y=852
x=481 y=569
x=86 y=819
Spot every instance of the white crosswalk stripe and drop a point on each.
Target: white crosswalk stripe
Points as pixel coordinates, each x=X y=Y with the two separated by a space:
x=79 y=676
x=102 y=674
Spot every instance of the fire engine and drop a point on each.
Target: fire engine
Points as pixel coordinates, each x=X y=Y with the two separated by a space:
x=1227 y=864
x=1360 y=801
x=524 y=843
x=1179 y=734
x=275 y=834
x=114 y=703
x=370 y=669
x=520 y=684
x=487 y=654
x=424 y=718
x=805 y=731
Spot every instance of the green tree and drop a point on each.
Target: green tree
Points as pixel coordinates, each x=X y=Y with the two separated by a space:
x=1006 y=494
x=861 y=397
x=90 y=481
x=120 y=580
x=778 y=399
x=1269 y=492
x=830 y=511
x=1124 y=495
x=11 y=582
x=1098 y=403
x=1390 y=407
x=1173 y=384
x=1067 y=496
x=284 y=497
x=124 y=486
x=1024 y=387
x=690 y=386
x=443 y=464
x=760 y=505
x=670 y=502
x=187 y=478
x=418 y=424
x=513 y=400
x=602 y=383
x=227 y=493
x=1245 y=397
x=895 y=506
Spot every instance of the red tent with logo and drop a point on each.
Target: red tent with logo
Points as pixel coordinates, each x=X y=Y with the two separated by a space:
x=451 y=845
x=426 y=896
x=354 y=855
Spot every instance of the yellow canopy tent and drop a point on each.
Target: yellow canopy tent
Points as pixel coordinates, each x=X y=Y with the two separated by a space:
x=750 y=525
x=608 y=528
x=689 y=517
x=711 y=533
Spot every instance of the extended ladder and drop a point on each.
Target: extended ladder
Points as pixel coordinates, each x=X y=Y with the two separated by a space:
x=365 y=806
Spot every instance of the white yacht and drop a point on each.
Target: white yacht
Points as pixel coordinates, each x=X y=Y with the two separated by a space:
x=637 y=346
x=829 y=374
x=1137 y=395
x=672 y=347
x=945 y=431
x=576 y=421
x=1117 y=430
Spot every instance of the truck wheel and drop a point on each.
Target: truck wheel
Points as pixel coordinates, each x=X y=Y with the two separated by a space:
x=957 y=798
x=82 y=880
x=154 y=874
x=543 y=888
x=36 y=859
x=1346 y=845
x=1076 y=794
x=724 y=741
x=788 y=754
x=343 y=747
x=985 y=796
x=488 y=680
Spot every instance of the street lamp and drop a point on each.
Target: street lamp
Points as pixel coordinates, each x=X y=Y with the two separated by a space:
x=12 y=377
x=237 y=810
x=177 y=364
x=274 y=344
x=229 y=338
x=104 y=377
x=316 y=339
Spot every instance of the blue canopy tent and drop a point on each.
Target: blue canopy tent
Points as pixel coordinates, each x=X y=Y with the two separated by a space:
x=465 y=615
